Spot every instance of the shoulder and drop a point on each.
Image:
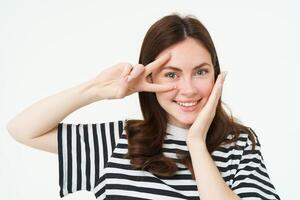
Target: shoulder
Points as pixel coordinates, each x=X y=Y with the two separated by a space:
x=244 y=140
x=92 y=127
x=245 y=146
x=251 y=140
x=248 y=139
x=120 y=122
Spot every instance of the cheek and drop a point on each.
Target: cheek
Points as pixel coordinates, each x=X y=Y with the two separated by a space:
x=156 y=78
x=162 y=96
x=205 y=87
x=208 y=89
x=165 y=96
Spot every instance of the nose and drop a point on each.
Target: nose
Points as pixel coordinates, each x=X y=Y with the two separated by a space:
x=187 y=87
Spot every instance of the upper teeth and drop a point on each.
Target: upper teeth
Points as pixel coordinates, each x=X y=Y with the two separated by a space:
x=187 y=104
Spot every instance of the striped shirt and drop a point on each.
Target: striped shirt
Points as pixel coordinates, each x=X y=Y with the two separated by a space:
x=91 y=158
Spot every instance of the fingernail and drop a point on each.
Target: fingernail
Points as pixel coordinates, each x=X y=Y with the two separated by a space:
x=224 y=76
x=129 y=78
x=173 y=87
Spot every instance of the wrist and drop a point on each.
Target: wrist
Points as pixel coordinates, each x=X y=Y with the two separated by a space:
x=88 y=92
x=195 y=138
x=192 y=142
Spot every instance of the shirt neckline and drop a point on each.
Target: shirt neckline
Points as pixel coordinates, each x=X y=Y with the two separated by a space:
x=176 y=132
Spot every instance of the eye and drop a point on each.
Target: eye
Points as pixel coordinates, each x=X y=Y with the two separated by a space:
x=170 y=75
x=202 y=71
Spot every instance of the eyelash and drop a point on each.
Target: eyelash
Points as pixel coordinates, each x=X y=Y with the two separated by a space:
x=167 y=74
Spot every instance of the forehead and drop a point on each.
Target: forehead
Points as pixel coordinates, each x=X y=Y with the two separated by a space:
x=187 y=54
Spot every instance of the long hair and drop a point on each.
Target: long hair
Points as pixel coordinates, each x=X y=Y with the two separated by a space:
x=146 y=137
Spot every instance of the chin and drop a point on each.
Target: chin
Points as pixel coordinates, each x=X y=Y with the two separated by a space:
x=186 y=121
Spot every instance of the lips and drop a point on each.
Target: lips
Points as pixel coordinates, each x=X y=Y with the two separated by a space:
x=187 y=106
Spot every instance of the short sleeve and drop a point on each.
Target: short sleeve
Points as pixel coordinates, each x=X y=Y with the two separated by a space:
x=83 y=151
x=251 y=180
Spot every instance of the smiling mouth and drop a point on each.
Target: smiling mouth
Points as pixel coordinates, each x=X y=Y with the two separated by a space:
x=187 y=104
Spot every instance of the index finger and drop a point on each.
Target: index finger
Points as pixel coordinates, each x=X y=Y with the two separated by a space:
x=216 y=92
x=208 y=111
x=157 y=63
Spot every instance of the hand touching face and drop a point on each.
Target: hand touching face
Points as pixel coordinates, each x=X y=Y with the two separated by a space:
x=198 y=130
x=191 y=70
x=124 y=79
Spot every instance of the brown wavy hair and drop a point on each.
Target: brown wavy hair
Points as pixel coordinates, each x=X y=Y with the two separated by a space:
x=146 y=137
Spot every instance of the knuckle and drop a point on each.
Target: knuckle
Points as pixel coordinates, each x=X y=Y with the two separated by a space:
x=140 y=65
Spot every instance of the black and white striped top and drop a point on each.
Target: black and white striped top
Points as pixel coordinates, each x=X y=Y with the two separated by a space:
x=91 y=158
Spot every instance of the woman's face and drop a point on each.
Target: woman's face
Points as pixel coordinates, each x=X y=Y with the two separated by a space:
x=190 y=69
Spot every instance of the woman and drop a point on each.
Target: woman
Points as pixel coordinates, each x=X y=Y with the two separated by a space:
x=186 y=147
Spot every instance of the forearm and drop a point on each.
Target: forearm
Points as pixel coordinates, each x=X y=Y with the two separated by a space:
x=209 y=181
x=45 y=114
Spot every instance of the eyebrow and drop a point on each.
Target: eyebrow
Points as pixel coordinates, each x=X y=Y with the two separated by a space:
x=178 y=69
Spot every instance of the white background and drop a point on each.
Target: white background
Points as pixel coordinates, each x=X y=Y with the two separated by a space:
x=48 y=46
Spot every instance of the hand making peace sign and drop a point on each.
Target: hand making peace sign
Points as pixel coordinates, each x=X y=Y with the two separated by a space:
x=123 y=79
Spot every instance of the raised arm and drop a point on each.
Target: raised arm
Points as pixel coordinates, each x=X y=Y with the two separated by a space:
x=36 y=126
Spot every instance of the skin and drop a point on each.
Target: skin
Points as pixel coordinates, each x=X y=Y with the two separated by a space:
x=115 y=82
x=124 y=79
x=192 y=83
x=189 y=85
x=210 y=183
x=192 y=86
